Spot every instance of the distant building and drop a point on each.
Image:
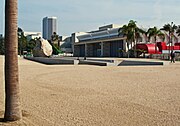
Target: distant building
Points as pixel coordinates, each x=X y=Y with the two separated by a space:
x=49 y=27
x=32 y=35
x=104 y=42
x=65 y=44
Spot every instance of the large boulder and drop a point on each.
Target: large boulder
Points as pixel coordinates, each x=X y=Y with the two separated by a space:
x=42 y=49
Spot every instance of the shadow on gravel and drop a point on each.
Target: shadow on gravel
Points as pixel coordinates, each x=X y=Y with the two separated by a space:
x=24 y=114
x=1 y=116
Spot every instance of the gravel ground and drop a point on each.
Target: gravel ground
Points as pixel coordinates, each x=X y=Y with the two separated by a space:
x=68 y=95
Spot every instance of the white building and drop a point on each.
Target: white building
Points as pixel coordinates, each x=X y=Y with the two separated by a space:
x=49 y=27
x=32 y=35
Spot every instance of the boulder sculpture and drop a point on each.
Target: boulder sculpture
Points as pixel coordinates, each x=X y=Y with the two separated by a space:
x=42 y=49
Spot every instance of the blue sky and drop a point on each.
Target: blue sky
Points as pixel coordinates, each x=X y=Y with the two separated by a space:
x=87 y=15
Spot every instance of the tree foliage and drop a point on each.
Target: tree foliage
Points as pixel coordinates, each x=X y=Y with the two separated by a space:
x=132 y=33
x=30 y=45
x=22 y=43
x=154 y=32
x=54 y=37
x=170 y=28
x=178 y=30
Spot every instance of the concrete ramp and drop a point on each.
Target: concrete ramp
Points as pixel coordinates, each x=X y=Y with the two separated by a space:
x=51 y=61
x=138 y=63
x=90 y=62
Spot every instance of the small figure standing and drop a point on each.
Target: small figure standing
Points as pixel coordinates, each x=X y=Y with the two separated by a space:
x=172 y=57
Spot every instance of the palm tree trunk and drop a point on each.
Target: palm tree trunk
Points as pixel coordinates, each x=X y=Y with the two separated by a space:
x=12 y=91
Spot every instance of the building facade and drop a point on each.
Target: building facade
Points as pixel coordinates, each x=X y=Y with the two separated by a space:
x=49 y=27
x=105 y=42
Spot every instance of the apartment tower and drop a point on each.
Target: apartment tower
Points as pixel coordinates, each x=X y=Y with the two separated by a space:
x=49 y=27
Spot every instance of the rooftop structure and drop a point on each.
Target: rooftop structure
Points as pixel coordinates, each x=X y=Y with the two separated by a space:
x=109 y=26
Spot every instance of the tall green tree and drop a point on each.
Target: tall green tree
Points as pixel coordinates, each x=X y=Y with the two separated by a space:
x=132 y=30
x=170 y=28
x=125 y=31
x=154 y=32
x=30 y=45
x=134 y=33
x=22 y=41
x=12 y=89
x=22 y=44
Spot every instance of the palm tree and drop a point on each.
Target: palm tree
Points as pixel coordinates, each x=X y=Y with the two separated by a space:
x=135 y=32
x=178 y=30
x=125 y=31
x=154 y=32
x=12 y=91
x=132 y=32
x=54 y=37
x=170 y=28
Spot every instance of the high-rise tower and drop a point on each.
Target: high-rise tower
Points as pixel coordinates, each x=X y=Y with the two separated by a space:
x=49 y=27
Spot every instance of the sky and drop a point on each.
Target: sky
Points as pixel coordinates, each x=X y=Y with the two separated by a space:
x=87 y=15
